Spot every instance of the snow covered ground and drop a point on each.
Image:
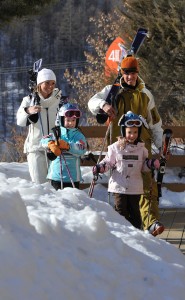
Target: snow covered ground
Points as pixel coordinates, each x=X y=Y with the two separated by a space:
x=63 y=245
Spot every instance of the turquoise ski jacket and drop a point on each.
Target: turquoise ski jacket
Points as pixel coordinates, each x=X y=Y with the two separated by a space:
x=71 y=158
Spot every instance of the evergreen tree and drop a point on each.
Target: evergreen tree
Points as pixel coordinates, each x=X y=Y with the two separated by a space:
x=163 y=54
x=57 y=35
x=10 y=9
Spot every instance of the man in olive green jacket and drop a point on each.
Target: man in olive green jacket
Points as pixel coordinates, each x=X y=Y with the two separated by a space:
x=134 y=96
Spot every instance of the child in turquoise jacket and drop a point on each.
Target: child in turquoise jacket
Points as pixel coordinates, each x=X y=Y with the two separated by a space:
x=66 y=145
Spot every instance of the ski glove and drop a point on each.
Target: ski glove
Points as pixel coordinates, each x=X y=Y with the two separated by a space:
x=63 y=145
x=98 y=169
x=54 y=148
x=153 y=164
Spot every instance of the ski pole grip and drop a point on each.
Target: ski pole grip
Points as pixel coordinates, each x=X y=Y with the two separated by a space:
x=55 y=132
x=101 y=117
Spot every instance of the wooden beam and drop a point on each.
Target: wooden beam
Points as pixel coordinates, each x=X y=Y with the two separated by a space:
x=174 y=161
x=99 y=131
x=174 y=187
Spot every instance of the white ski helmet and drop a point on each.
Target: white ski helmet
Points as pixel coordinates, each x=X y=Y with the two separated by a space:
x=69 y=110
x=131 y=120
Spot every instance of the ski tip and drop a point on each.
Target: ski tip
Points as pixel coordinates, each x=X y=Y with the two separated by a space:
x=142 y=30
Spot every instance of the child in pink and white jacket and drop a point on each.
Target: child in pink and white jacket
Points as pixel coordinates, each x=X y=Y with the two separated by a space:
x=127 y=158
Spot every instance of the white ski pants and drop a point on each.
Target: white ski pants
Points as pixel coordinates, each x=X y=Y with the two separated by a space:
x=37 y=164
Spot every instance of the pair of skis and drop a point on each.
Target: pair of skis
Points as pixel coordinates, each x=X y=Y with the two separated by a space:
x=138 y=40
x=33 y=74
x=35 y=99
x=167 y=137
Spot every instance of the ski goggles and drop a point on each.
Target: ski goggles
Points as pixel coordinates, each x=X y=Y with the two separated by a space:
x=73 y=113
x=133 y=123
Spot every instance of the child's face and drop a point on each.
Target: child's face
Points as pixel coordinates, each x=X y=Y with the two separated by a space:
x=69 y=122
x=131 y=134
x=47 y=87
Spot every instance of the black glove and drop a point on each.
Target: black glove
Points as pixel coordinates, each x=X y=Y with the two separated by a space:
x=98 y=169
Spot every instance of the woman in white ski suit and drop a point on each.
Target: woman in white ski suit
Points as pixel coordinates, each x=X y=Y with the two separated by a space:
x=40 y=119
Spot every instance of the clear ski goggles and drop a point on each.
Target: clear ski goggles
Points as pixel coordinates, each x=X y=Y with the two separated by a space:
x=72 y=113
x=133 y=123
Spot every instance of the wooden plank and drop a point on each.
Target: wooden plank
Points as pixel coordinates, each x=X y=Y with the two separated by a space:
x=174 y=161
x=99 y=131
x=182 y=245
x=179 y=220
x=178 y=131
x=167 y=218
x=176 y=232
x=94 y=131
x=175 y=187
x=173 y=220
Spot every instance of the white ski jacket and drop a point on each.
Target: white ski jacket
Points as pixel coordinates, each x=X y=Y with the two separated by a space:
x=127 y=166
x=38 y=124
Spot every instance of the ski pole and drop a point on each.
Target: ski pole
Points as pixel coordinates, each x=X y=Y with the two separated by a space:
x=104 y=141
x=91 y=188
x=69 y=173
x=37 y=102
x=95 y=177
x=56 y=132
x=61 y=176
x=150 y=198
x=110 y=172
